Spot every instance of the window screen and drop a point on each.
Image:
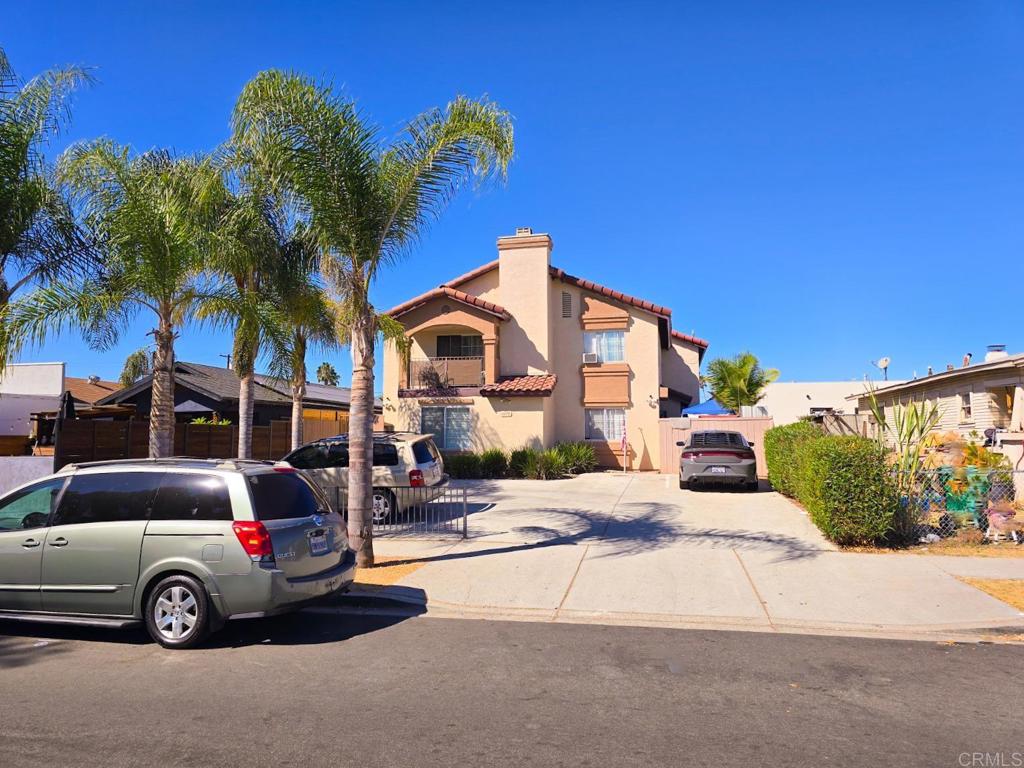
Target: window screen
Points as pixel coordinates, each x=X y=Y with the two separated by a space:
x=108 y=497
x=605 y=424
x=610 y=346
x=192 y=497
x=460 y=346
x=453 y=427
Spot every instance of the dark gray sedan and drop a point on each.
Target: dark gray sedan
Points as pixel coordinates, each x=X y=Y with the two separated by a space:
x=717 y=456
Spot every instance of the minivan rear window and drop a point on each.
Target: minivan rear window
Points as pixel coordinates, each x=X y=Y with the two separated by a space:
x=424 y=451
x=283 y=496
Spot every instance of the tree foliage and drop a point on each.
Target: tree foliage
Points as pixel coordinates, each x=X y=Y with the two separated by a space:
x=738 y=381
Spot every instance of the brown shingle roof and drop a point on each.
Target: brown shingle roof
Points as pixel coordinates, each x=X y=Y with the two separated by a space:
x=452 y=293
x=691 y=339
x=84 y=391
x=521 y=386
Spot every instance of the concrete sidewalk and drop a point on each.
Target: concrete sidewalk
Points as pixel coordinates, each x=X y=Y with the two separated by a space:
x=635 y=549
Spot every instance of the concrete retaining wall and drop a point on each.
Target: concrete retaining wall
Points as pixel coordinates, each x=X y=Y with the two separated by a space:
x=15 y=470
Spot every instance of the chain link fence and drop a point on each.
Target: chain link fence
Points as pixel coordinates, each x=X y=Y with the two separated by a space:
x=946 y=500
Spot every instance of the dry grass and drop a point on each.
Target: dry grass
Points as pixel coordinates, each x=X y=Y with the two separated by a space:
x=1010 y=591
x=387 y=571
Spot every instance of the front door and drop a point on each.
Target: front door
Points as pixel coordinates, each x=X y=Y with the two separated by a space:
x=24 y=516
x=91 y=555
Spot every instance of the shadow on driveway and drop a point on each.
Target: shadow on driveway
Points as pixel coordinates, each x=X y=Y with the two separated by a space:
x=639 y=527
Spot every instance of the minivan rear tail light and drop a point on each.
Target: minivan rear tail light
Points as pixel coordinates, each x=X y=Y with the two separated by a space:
x=255 y=540
x=416 y=478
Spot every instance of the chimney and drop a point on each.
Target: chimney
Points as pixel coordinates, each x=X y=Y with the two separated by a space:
x=967 y=359
x=996 y=352
x=524 y=289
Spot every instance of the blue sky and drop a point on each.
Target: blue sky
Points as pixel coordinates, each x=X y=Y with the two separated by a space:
x=819 y=183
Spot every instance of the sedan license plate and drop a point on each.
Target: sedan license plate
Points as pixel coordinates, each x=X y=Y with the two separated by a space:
x=318 y=545
x=718 y=470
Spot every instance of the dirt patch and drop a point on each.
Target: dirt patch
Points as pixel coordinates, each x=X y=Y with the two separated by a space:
x=1010 y=591
x=387 y=571
x=966 y=543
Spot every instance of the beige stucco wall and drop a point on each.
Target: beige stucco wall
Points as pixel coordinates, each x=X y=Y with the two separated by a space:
x=511 y=423
x=523 y=292
x=680 y=368
x=643 y=353
x=787 y=401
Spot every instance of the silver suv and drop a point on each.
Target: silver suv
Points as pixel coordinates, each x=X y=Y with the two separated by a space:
x=179 y=544
x=407 y=470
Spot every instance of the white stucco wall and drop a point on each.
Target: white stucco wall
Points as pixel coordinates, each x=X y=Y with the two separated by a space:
x=787 y=401
x=27 y=388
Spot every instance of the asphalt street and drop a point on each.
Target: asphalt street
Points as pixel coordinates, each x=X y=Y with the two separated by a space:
x=336 y=690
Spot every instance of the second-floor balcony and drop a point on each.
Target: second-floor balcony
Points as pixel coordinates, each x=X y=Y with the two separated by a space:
x=445 y=372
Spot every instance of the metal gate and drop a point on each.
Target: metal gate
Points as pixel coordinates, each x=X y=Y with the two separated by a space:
x=411 y=511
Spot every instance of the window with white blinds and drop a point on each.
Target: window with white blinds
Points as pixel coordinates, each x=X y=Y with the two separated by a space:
x=607 y=424
x=452 y=427
x=610 y=346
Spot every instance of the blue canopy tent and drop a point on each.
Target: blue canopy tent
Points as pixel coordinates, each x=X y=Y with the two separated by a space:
x=707 y=408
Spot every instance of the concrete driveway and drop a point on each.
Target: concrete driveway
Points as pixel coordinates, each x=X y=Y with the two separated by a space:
x=636 y=549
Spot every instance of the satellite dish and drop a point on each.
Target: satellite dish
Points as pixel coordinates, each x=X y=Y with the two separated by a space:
x=883 y=365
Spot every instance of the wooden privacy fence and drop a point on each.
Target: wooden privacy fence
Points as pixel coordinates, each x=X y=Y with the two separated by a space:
x=81 y=440
x=677 y=430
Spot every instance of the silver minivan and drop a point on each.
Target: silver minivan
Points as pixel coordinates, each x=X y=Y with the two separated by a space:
x=180 y=544
x=408 y=470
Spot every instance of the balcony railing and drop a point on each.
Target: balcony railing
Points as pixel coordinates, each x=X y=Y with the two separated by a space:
x=445 y=372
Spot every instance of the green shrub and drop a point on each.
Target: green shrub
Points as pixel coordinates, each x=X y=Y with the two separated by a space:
x=493 y=464
x=519 y=460
x=577 y=457
x=463 y=466
x=545 y=465
x=780 y=446
x=848 y=489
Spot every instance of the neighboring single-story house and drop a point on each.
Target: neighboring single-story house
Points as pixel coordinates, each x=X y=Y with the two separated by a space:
x=204 y=390
x=518 y=352
x=26 y=388
x=986 y=397
x=91 y=390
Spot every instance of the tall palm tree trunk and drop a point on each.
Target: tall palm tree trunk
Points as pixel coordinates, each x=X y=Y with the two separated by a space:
x=245 y=412
x=360 y=442
x=298 y=388
x=161 y=409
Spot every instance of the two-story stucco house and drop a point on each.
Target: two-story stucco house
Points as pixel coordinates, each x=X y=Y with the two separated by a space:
x=519 y=353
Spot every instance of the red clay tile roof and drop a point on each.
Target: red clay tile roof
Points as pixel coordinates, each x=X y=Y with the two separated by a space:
x=452 y=293
x=521 y=386
x=85 y=391
x=589 y=285
x=691 y=339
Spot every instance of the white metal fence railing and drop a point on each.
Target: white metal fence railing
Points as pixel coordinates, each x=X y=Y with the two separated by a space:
x=410 y=511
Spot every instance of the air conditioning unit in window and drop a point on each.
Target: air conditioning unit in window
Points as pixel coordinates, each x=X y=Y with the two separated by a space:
x=590 y=358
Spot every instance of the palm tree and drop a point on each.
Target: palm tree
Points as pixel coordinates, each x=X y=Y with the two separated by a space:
x=310 y=318
x=326 y=375
x=150 y=215
x=368 y=201
x=738 y=381
x=136 y=365
x=247 y=252
x=39 y=239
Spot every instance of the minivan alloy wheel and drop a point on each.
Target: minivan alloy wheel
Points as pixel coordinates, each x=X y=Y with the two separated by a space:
x=176 y=612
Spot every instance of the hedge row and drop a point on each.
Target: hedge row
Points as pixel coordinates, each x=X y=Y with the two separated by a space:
x=564 y=459
x=842 y=481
